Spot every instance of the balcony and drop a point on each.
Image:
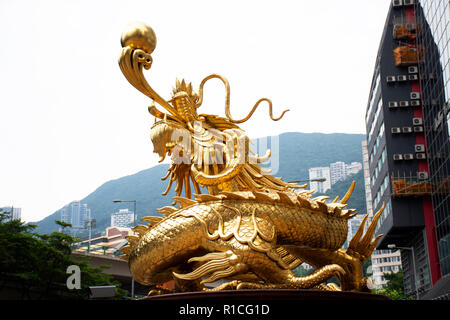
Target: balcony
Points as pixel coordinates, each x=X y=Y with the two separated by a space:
x=419 y=185
x=404 y=31
x=406 y=55
x=410 y=186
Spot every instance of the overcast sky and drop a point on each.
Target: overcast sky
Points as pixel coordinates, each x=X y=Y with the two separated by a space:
x=70 y=121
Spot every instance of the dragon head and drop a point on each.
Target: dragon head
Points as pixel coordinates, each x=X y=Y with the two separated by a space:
x=195 y=141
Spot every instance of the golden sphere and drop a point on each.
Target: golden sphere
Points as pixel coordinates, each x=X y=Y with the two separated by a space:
x=138 y=35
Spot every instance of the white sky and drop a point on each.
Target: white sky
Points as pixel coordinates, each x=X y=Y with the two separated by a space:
x=70 y=121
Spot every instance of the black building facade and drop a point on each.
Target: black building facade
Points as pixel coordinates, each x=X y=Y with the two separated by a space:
x=435 y=85
x=408 y=163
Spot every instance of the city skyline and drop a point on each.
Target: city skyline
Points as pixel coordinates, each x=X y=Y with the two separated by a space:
x=333 y=173
x=72 y=122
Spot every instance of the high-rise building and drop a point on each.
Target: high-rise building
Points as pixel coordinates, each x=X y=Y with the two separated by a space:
x=435 y=89
x=352 y=168
x=320 y=173
x=337 y=171
x=408 y=139
x=383 y=261
x=14 y=213
x=123 y=218
x=367 y=178
x=75 y=213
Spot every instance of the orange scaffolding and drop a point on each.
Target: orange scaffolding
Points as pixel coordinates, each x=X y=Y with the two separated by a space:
x=406 y=55
x=401 y=32
x=416 y=186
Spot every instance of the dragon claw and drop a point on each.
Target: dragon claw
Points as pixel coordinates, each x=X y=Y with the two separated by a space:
x=218 y=265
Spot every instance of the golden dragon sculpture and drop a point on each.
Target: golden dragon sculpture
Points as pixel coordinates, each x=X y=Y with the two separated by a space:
x=250 y=228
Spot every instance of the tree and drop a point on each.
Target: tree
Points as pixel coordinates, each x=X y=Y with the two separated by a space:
x=394 y=286
x=35 y=264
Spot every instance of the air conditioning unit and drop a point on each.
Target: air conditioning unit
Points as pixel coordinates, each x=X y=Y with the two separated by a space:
x=414 y=103
x=417 y=121
x=413 y=77
x=412 y=69
x=421 y=156
x=396 y=130
x=419 y=148
x=418 y=129
x=407 y=129
x=393 y=104
x=404 y=103
x=422 y=175
x=390 y=78
x=408 y=2
x=402 y=78
x=397 y=3
x=415 y=95
x=408 y=156
x=398 y=156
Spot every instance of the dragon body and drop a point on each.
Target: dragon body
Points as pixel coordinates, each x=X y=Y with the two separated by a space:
x=249 y=236
x=250 y=229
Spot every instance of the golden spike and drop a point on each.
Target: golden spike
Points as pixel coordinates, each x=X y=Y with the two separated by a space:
x=308 y=192
x=333 y=209
x=335 y=199
x=208 y=197
x=322 y=206
x=140 y=229
x=151 y=219
x=355 y=240
x=238 y=195
x=286 y=198
x=132 y=240
x=320 y=198
x=352 y=215
x=266 y=196
x=304 y=202
x=374 y=244
x=184 y=201
x=371 y=229
x=349 y=193
x=348 y=213
x=166 y=209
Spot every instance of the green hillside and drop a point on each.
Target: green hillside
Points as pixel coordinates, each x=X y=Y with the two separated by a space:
x=297 y=153
x=301 y=151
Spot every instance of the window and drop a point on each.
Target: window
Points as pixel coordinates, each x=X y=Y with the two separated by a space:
x=372 y=98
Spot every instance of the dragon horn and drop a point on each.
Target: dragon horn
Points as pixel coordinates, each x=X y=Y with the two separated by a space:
x=227 y=88
x=227 y=101
x=348 y=194
x=227 y=111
